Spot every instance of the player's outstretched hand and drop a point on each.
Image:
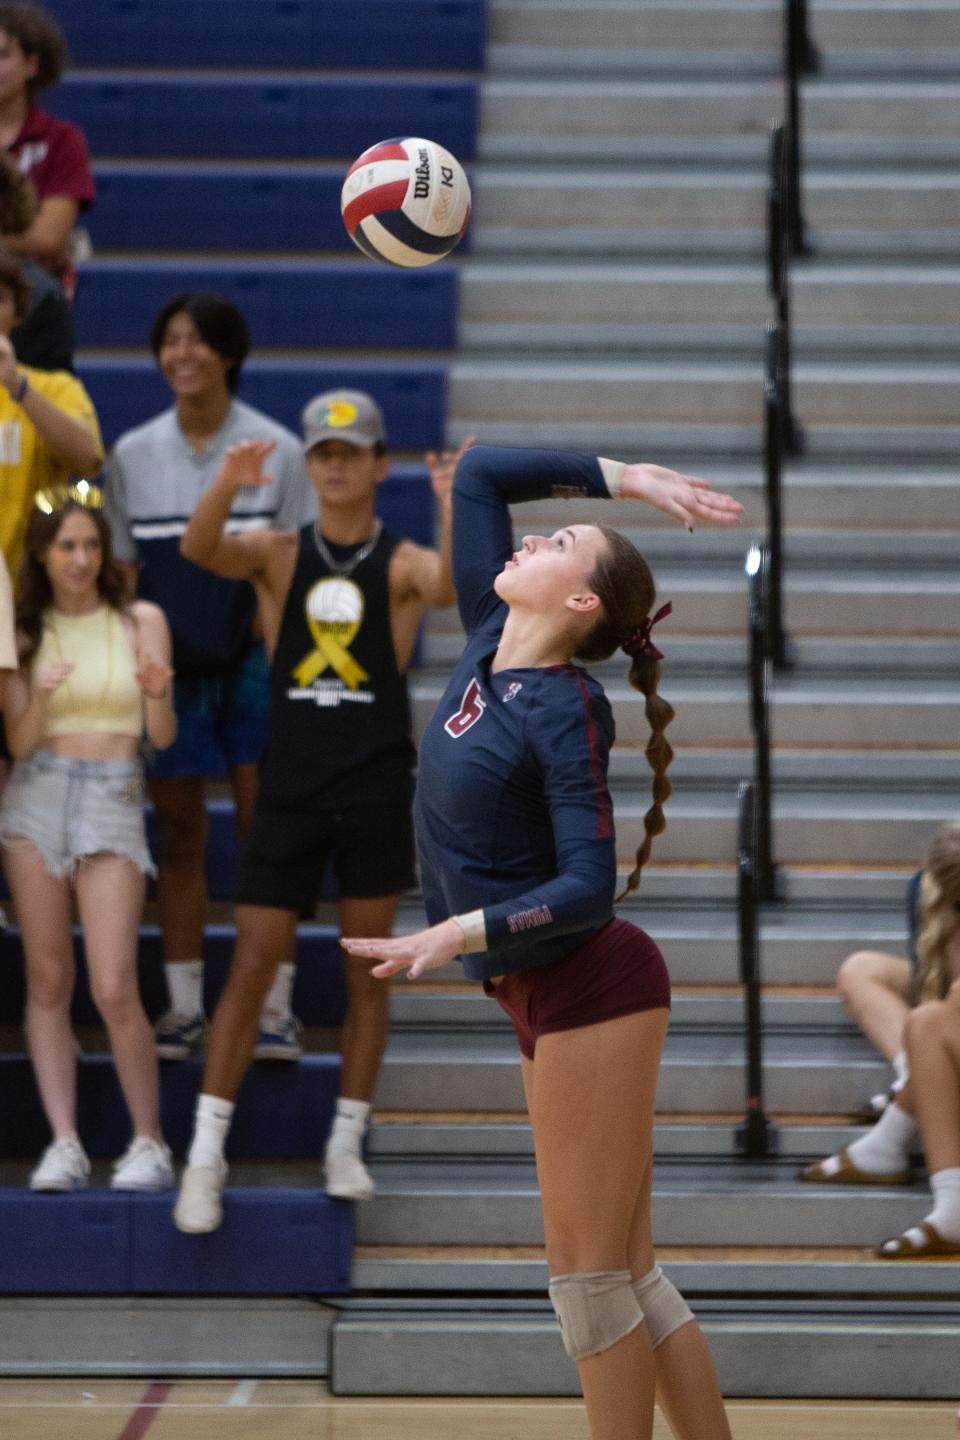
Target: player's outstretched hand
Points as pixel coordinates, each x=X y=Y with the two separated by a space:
x=683 y=497
x=443 y=467
x=427 y=950
x=243 y=464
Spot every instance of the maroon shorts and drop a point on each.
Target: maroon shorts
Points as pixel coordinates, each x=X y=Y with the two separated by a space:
x=617 y=972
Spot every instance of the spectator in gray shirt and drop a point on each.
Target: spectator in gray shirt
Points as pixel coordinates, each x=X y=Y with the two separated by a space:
x=156 y=475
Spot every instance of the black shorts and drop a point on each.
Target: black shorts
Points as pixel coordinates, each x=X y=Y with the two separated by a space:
x=287 y=852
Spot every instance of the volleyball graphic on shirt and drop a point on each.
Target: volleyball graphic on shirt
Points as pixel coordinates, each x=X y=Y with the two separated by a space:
x=333 y=611
x=406 y=201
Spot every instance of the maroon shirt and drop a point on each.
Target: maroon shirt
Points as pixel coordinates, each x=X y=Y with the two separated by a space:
x=54 y=154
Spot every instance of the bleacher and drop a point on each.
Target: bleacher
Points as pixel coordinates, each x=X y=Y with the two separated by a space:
x=613 y=298
x=287 y=95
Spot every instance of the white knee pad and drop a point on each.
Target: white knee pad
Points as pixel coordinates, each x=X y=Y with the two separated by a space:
x=664 y=1308
x=595 y=1310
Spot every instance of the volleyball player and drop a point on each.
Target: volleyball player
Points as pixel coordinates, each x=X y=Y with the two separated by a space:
x=518 y=858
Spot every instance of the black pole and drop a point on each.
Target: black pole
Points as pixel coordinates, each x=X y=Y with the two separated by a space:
x=758 y=569
x=799 y=58
x=755 y=1137
x=774 y=426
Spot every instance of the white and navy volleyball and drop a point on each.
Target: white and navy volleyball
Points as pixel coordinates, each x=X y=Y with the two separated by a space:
x=406 y=202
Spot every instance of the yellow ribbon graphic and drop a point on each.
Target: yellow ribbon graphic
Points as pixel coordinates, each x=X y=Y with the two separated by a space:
x=334 y=612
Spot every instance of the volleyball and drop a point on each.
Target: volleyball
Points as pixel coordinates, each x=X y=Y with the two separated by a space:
x=406 y=202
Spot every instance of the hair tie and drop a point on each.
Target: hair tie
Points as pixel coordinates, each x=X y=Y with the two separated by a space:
x=639 y=643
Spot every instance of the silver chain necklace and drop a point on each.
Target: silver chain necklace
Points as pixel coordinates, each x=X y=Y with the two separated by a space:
x=345 y=567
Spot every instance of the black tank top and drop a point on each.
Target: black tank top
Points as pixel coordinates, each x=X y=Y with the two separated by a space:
x=340 y=715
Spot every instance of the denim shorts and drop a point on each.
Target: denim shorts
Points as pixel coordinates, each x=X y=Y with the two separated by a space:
x=76 y=808
x=221 y=722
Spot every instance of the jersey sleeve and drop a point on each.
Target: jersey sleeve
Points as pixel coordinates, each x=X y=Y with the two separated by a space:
x=571 y=743
x=488 y=481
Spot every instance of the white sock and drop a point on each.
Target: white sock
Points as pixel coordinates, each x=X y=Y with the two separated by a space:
x=885 y=1150
x=185 y=984
x=211 y=1123
x=901 y=1071
x=945 y=1214
x=349 y=1124
x=276 y=1006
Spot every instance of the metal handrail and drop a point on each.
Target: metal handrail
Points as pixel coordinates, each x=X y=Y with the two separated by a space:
x=775 y=424
x=779 y=251
x=758 y=576
x=756 y=1137
x=799 y=58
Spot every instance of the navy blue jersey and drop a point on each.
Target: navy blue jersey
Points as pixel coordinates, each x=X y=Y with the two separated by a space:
x=513 y=813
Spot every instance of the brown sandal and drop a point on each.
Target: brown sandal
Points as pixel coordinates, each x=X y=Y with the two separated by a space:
x=850 y=1174
x=902 y=1248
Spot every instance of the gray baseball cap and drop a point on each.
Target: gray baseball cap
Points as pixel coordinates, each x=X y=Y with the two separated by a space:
x=349 y=415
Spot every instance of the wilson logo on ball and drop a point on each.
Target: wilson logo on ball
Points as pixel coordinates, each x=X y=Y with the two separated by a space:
x=406 y=201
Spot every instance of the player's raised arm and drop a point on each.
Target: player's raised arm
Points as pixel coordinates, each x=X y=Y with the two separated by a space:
x=205 y=541
x=489 y=480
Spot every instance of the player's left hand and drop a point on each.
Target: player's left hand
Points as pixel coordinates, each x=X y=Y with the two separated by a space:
x=683 y=497
x=426 y=950
x=443 y=467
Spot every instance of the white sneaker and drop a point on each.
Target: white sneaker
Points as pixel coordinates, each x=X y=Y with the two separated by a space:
x=347 y=1177
x=199 y=1207
x=63 y=1166
x=179 y=1036
x=146 y=1165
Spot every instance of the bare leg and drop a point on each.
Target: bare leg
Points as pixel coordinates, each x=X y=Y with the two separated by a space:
x=687 y=1387
x=110 y=893
x=591 y=1109
x=367 y=1023
x=181 y=884
x=933 y=1045
x=44 y=911
x=264 y=936
x=243 y=783
x=876 y=990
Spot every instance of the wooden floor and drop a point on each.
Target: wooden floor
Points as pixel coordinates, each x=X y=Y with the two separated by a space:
x=303 y=1410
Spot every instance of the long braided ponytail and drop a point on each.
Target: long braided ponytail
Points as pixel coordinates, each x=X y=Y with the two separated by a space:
x=622 y=582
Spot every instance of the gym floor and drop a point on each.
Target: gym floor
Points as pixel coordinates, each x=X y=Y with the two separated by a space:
x=303 y=1410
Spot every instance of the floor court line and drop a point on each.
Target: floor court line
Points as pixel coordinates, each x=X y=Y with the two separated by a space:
x=154 y=1398
x=243 y=1392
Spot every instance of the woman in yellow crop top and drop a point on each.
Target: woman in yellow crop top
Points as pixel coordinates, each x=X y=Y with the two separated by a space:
x=94 y=677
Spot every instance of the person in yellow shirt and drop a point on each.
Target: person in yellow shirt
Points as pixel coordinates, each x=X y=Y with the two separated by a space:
x=48 y=426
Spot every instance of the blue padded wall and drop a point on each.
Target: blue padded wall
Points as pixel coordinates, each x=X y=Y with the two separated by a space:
x=195 y=207
x=283 y=1111
x=319 y=995
x=271 y=1242
x=292 y=303
x=331 y=34
x=412 y=394
x=273 y=116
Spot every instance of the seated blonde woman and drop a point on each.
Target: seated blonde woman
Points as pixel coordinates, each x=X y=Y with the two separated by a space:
x=928 y=1103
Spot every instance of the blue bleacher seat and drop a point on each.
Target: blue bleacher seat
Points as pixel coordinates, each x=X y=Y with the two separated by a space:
x=283 y=1111
x=357 y=34
x=411 y=393
x=271 y=115
x=287 y=303
x=182 y=206
x=319 y=995
x=272 y=1242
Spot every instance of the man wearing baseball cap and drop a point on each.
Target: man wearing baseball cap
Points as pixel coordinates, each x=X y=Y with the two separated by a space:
x=341 y=602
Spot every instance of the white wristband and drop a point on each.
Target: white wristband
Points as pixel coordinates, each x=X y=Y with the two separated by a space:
x=612 y=471
x=474 y=930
